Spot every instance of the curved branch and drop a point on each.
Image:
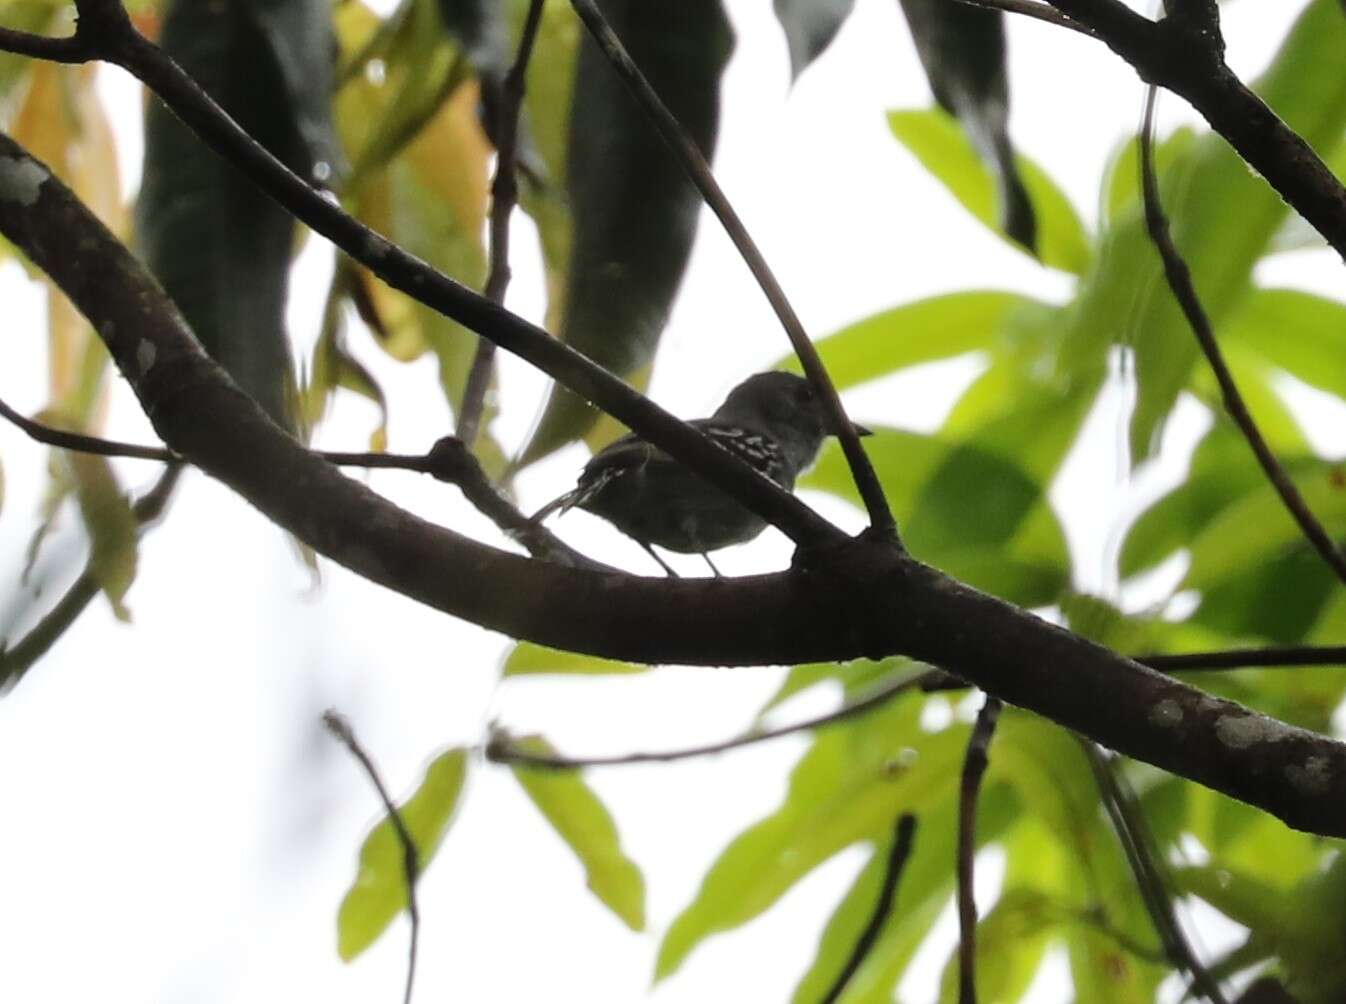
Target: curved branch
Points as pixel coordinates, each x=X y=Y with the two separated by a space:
x=843 y=600
x=1179 y=278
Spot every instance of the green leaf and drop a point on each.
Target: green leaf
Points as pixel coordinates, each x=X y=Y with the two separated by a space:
x=965 y=509
x=112 y=526
x=940 y=327
x=1303 y=334
x=528 y=659
x=379 y=891
x=634 y=211
x=582 y=821
x=810 y=26
x=1011 y=940
x=936 y=141
x=1258 y=527
x=850 y=786
x=855 y=677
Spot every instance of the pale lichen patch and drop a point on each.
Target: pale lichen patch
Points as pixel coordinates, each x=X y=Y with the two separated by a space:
x=1312 y=777
x=1166 y=713
x=146 y=353
x=21 y=180
x=1241 y=731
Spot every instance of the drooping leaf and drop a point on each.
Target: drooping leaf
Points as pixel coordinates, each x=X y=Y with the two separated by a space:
x=810 y=26
x=219 y=246
x=585 y=824
x=379 y=891
x=112 y=526
x=935 y=140
x=334 y=366
x=633 y=210
x=963 y=51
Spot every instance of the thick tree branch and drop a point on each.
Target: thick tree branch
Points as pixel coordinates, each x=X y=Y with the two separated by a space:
x=105 y=32
x=1179 y=278
x=852 y=598
x=504 y=194
x=689 y=155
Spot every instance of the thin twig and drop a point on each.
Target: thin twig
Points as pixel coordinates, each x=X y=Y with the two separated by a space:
x=1031 y=8
x=866 y=480
x=898 y=852
x=500 y=749
x=448 y=460
x=1133 y=832
x=1247 y=658
x=1180 y=281
x=411 y=862
x=16 y=661
x=58 y=50
x=84 y=444
x=974 y=767
x=504 y=194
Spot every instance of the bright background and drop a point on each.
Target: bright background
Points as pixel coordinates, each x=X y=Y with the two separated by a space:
x=179 y=827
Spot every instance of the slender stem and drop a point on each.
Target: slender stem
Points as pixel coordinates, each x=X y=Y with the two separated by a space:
x=1247 y=658
x=504 y=195
x=974 y=768
x=1184 y=291
x=411 y=861
x=898 y=853
x=866 y=480
x=501 y=750
x=70 y=49
x=1034 y=9
x=1128 y=820
x=84 y=444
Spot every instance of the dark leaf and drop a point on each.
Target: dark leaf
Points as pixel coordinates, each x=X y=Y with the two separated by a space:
x=810 y=26
x=219 y=246
x=963 y=51
x=634 y=212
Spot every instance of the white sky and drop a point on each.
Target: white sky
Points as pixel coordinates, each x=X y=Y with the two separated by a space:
x=178 y=827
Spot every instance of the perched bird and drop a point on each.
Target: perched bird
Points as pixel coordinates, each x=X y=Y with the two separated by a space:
x=773 y=421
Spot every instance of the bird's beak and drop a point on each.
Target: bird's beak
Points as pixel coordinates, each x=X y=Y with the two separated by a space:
x=860 y=430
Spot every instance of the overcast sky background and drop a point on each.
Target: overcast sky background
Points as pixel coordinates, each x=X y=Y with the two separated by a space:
x=179 y=827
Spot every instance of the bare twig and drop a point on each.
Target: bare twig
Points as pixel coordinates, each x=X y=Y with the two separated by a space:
x=898 y=852
x=411 y=860
x=1128 y=820
x=16 y=661
x=866 y=480
x=501 y=750
x=69 y=49
x=1184 y=291
x=1034 y=9
x=1247 y=658
x=974 y=766
x=448 y=460
x=504 y=194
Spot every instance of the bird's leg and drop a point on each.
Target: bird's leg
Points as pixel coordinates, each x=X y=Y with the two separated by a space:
x=713 y=570
x=662 y=563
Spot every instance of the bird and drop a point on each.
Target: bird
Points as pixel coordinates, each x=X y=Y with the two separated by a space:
x=774 y=421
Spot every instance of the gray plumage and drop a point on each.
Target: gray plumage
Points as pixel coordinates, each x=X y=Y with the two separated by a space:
x=773 y=421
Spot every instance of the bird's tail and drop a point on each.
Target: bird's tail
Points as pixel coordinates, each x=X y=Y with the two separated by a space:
x=560 y=504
